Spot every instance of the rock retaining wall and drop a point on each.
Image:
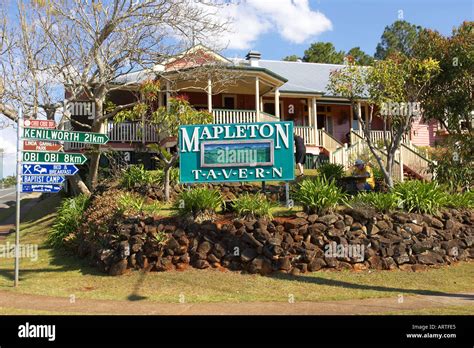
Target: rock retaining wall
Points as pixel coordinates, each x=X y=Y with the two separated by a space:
x=353 y=239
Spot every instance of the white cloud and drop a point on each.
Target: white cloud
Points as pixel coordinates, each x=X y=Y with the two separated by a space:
x=293 y=20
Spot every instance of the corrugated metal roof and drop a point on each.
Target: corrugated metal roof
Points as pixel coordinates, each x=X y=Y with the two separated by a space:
x=302 y=77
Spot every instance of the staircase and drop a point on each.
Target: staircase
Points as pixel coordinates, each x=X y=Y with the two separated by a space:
x=414 y=164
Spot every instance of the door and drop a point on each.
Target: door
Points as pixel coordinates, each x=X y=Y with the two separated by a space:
x=229 y=102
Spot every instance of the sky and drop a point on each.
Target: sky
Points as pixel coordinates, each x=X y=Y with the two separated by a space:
x=278 y=28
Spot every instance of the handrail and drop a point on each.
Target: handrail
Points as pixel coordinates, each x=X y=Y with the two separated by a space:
x=416 y=153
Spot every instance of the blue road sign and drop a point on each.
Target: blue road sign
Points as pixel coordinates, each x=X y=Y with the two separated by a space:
x=42 y=179
x=40 y=188
x=48 y=169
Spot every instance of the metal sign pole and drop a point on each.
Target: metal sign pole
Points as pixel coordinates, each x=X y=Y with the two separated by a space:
x=18 y=198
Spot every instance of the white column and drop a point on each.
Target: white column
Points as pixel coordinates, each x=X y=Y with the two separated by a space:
x=168 y=95
x=257 y=97
x=315 y=120
x=277 y=103
x=209 y=95
x=261 y=103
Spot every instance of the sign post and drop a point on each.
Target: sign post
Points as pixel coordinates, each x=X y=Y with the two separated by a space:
x=41 y=166
x=18 y=198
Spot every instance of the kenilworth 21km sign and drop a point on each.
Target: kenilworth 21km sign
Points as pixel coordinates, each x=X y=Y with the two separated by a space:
x=236 y=152
x=60 y=135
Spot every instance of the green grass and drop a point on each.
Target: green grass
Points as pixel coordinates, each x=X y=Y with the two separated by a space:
x=55 y=274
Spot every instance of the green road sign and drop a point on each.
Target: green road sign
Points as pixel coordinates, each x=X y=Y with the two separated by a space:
x=59 y=135
x=53 y=157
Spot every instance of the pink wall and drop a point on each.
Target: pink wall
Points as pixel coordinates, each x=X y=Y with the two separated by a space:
x=423 y=134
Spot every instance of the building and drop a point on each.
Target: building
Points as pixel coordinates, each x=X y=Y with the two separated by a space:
x=266 y=91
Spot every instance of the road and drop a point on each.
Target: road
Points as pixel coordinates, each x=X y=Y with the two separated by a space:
x=8 y=195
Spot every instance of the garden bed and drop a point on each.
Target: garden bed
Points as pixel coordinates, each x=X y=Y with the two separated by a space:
x=350 y=238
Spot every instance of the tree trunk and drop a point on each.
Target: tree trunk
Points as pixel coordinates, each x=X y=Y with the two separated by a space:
x=166 y=171
x=78 y=186
x=95 y=155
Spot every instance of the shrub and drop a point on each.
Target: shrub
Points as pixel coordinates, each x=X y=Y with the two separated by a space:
x=461 y=200
x=319 y=194
x=68 y=219
x=253 y=206
x=383 y=202
x=130 y=203
x=331 y=171
x=160 y=176
x=136 y=175
x=419 y=196
x=199 y=201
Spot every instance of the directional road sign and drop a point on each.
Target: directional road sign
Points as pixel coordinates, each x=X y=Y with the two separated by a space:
x=42 y=179
x=68 y=136
x=39 y=123
x=53 y=157
x=33 y=145
x=40 y=188
x=48 y=169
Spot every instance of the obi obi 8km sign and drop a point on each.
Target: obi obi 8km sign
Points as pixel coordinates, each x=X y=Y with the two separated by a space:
x=236 y=152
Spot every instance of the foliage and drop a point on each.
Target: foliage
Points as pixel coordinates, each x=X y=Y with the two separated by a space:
x=397 y=79
x=68 y=219
x=383 y=202
x=319 y=194
x=160 y=176
x=331 y=171
x=8 y=181
x=360 y=57
x=180 y=113
x=136 y=175
x=323 y=52
x=199 y=200
x=419 y=196
x=453 y=162
x=131 y=203
x=461 y=200
x=451 y=90
x=253 y=206
x=400 y=37
x=292 y=58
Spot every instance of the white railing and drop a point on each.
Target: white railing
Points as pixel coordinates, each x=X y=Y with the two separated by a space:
x=234 y=116
x=377 y=136
x=123 y=132
x=307 y=133
x=327 y=141
x=415 y=161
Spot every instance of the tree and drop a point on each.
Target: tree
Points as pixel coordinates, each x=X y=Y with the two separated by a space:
x=395 y=81
x=360 y=57
x=90 y=45
x=399 y=37
x=323 y=52
x=166 y=121
x=449 y=100
x=292 y=58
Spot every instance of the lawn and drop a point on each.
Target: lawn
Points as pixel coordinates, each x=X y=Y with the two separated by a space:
x=56 y=274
